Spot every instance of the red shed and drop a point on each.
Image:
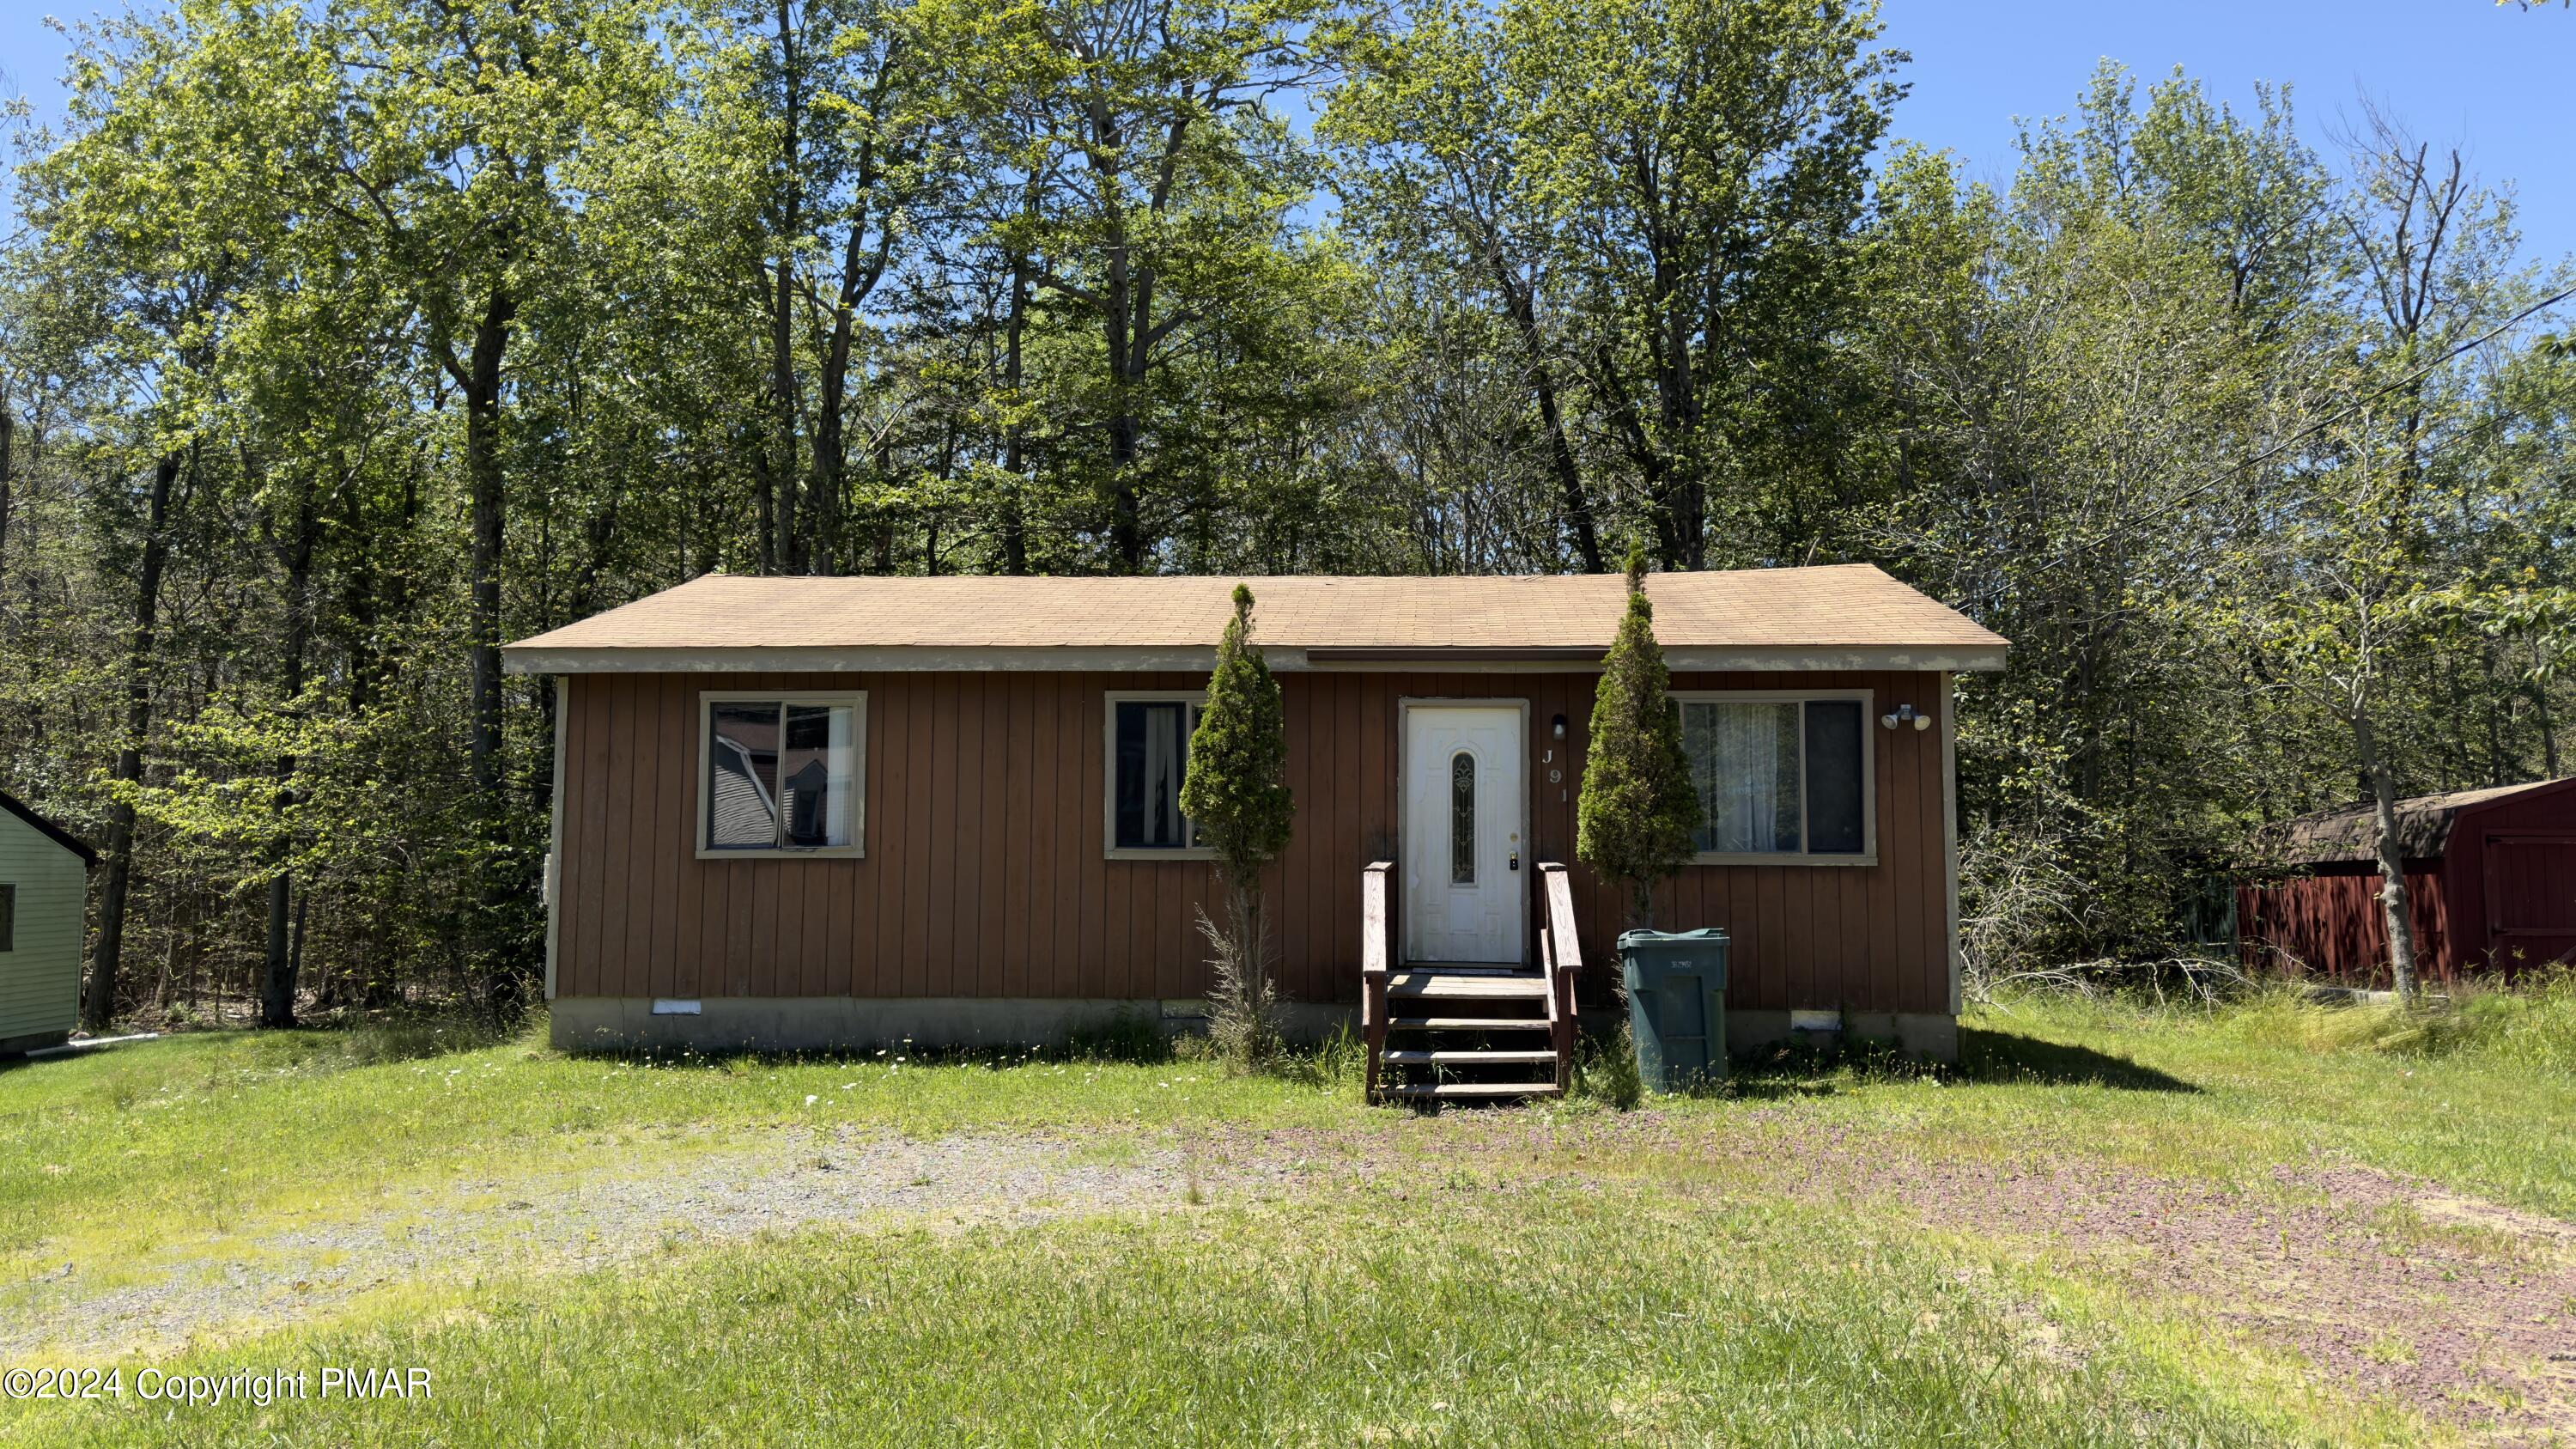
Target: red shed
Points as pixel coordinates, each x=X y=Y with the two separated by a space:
x=2490 y=876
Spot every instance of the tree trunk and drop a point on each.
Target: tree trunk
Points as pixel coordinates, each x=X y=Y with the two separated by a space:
x=98 y=999
x=782 y=550
x=1560 y=452
x=1127 y=297
x=823 y=555
x=1126 y=518
x=861 y=269
x=1681 y=483
x=1015 y=527
x=779 y=546
x=485 y=482
x=358 y=605
x=2392 y=864
x=8 y=460
x=2548 y=727
x=1569 y=479
x=277 y=972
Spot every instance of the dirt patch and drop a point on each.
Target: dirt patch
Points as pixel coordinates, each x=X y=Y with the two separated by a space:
x=2470 y=1212
x=2459 y=1309
x=460 y=1231
x=2337 y=1264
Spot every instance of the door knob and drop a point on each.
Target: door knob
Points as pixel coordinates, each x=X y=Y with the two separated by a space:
x=1516 y=860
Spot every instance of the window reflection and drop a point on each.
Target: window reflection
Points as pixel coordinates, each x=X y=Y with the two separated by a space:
x=780 y=775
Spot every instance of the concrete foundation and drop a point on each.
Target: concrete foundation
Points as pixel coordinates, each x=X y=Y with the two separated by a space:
x=18 y=1046
x=1927 y=1035
x=842 y=1023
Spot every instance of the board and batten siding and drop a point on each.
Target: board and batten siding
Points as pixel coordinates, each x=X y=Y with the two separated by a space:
x=983 y=873
x=40 y=973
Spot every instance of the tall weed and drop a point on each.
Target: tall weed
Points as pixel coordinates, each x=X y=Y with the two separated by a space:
x=2527 y=1026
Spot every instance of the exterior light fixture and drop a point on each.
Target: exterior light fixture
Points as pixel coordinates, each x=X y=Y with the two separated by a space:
x=1906 y=714
x=1556 y=727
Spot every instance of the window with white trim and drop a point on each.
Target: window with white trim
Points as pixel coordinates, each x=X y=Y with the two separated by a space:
x=1149 y=761
x=1781 y=777
x=781 y=774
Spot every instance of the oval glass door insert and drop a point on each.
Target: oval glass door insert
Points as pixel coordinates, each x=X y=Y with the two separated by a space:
x=1462 y=819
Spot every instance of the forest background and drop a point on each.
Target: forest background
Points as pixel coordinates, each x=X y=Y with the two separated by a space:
x=341 y=341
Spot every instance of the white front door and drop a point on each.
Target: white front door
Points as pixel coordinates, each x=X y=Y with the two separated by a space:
x=1464 y=862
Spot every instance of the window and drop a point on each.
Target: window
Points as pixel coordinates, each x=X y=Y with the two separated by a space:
x=1462 y=819
x=8 y=918
x=782 y=774
x=1780 y=776
x=1149 y=761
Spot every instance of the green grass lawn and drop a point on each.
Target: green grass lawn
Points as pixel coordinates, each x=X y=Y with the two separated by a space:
x=2241 y=1091
x=1548 y=1274
x=211 y=1133
x=1547 y=1317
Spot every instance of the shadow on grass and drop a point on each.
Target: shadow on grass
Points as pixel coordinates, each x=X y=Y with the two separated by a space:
x=1127 y=1039
x=377 y=1038
x=2001 y=1056
x=325 y=1040
x=1790 y=1071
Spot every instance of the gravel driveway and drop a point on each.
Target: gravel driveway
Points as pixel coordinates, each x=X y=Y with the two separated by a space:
x=847 y=1178
x=2460 y=1309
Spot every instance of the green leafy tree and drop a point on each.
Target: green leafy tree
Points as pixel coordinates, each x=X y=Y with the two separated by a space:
x=1637 y=813
x=1659 y=203
x=1239 y=804
x=1440 y=204
x=1702 y=166
x=1158 y=181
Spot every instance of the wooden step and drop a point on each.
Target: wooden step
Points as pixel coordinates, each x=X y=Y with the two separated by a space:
x=1445 y=986
x=1473 y=1089
x=1419 y=1058
x=1468 y=1023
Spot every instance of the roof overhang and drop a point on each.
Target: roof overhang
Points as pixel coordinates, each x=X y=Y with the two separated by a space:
x=1283 y=659
x=49 y=830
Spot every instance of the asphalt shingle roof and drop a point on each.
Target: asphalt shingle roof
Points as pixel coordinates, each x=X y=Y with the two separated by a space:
x=2351 y=832
x=1838 y=607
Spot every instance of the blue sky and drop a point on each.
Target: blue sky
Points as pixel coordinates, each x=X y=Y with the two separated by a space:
x=2494 y=80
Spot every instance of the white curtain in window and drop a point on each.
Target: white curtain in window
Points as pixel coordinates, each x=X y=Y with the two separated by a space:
x=816 y=787
x=840 y=758
x=1744 y=765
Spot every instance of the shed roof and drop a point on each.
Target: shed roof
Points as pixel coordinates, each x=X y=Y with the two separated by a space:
x=2423 y=825
x=55 y=833
x=1837 y=616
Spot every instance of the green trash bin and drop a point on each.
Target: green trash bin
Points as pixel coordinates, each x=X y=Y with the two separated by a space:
x=1676 y=984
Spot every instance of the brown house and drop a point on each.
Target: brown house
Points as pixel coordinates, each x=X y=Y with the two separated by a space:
x=808 y=811
x=2490 y=887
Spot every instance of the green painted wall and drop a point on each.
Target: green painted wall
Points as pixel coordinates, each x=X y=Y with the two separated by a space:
x=40 y=973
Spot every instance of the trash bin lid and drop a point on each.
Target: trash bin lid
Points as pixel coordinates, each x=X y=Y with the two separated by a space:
x=1704 y=933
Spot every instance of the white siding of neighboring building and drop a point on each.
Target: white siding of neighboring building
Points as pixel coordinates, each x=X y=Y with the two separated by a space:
x=40 y=974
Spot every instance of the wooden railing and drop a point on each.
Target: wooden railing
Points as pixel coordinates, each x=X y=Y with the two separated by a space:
x=1560 y=957
x=1561 y=952
x=1375 y=920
